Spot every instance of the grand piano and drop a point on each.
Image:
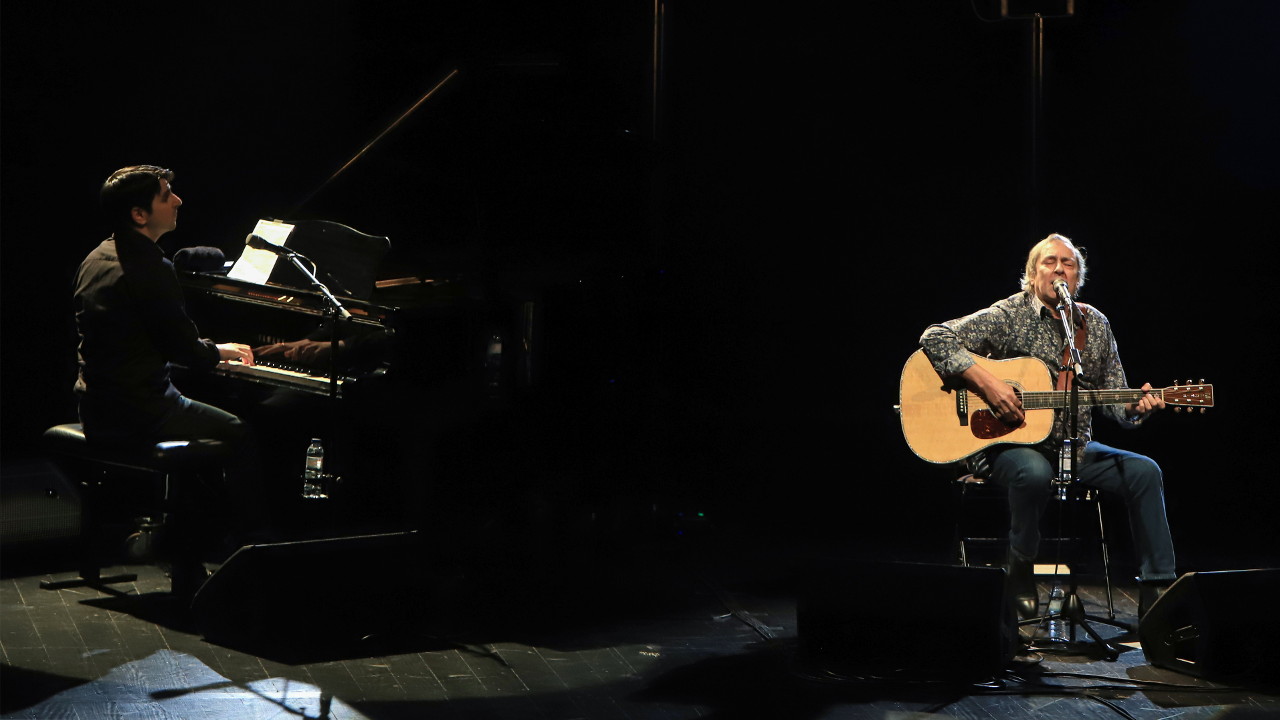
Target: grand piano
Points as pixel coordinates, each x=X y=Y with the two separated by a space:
x=440 y=333
x=418 y=358
x=423 y=329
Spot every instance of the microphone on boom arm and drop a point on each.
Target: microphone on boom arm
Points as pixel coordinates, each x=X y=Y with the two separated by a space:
x=258 y=243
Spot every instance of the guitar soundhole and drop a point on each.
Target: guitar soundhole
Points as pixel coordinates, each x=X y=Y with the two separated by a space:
x=985 y=425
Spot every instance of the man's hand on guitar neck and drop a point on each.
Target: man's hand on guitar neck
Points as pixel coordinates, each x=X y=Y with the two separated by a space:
x=1145 y=406
x=998 y=394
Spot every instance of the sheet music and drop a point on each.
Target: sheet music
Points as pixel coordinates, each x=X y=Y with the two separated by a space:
x=256 y=265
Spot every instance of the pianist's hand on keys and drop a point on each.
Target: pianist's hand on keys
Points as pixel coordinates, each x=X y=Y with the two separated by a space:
x=235 y=351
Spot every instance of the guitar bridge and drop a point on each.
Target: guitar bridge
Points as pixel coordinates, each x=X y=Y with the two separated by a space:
x=962 y=406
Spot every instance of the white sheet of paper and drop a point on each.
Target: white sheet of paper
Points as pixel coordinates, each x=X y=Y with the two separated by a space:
x=256 y=265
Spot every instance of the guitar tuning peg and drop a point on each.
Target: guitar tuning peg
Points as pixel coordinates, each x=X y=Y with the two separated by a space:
x=1201 y=381
x=1177 y=409
x=1203 y=410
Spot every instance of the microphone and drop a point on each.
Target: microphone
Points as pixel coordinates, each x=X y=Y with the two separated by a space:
x=257 y=243
x=1064 y=293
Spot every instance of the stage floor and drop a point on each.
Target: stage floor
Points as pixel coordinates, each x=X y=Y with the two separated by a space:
x=681 y=625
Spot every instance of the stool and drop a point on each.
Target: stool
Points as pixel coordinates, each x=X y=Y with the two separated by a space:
x=968 y=483
x=68 y=446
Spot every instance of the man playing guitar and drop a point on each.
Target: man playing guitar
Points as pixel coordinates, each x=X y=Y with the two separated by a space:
x=1028 y=324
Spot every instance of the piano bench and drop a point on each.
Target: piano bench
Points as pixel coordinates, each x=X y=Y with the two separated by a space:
x=93 y=467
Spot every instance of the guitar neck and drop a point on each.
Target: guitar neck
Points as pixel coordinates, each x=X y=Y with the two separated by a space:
x=1039 y=400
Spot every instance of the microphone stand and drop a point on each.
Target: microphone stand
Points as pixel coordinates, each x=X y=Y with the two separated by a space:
x=336 y=313
x=1068 y=488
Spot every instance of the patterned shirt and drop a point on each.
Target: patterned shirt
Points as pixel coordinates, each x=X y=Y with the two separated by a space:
x=1022 y=326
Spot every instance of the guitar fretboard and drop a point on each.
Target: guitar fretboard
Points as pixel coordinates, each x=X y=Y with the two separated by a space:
x=1062 y=398
x=1196 y=395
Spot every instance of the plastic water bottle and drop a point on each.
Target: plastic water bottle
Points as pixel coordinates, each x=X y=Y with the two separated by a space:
x=1057 y=606
x=1066 y=464
x=313 y=475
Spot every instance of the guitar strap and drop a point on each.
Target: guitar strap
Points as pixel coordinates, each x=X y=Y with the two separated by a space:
x=1064 y=377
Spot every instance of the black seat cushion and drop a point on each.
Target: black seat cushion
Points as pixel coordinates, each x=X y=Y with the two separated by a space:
x=164 y=456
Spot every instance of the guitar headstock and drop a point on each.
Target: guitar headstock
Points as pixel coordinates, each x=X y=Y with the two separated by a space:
x=1193 y=395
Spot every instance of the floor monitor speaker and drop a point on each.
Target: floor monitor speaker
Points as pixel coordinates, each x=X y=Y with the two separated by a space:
x=906 y=621
x=1216 y=625
x=326 y=591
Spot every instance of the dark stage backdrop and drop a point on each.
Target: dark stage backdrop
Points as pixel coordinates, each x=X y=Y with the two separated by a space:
x=733 y=281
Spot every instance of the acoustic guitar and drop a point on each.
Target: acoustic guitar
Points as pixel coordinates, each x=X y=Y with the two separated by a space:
x=943 y=424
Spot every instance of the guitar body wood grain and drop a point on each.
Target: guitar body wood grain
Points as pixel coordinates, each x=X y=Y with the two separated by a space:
x=938 y=431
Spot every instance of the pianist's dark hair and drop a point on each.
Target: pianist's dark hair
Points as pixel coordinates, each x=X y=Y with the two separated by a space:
x=128 y=188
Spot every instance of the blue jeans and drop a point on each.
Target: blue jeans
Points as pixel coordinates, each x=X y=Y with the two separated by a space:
x=194 y=419
x=1029 y=474
x=119 y=423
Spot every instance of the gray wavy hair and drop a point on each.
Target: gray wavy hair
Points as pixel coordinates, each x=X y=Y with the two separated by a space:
x=1037 y=253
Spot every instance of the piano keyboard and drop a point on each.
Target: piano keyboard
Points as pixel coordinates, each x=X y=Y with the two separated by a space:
x=278 y=376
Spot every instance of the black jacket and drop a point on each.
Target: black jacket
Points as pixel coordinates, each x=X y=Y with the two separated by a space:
x=132 y=321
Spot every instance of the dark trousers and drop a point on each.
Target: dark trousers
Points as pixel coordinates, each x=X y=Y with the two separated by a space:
x=189 y=503
x=242 y=473
x=1029 y=475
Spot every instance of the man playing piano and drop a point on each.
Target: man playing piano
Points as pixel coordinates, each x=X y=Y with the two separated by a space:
x=132 y=323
